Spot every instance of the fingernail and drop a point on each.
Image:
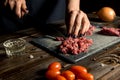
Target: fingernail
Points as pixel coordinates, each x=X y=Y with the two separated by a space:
x=19 y=16
x=27 y=11
x=81 y=35
x=74 y=36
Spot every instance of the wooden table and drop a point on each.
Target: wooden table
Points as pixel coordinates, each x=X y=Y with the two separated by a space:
x=104 y=65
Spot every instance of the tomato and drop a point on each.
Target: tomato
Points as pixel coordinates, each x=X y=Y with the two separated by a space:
x=81 y=73
x=85 y=76
x=88 y=76
x=55 y=65
x=52 y=73
x=80 y=76
x=69 y=75
x=78 y=69
x=59 y=77
x=78 y=79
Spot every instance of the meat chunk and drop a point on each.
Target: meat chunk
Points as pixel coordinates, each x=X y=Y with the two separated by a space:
x=110 y=31
x=75 y=45
x=90 y=31
x=59 y=38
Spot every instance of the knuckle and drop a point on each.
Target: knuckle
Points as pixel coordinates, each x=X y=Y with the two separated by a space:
x=74 y=12
x=85 y=15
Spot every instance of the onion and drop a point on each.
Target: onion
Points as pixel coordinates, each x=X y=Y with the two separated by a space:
x=106 y=14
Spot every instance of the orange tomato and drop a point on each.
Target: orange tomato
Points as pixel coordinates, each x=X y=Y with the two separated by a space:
x=55 y=65
x=85 y=76
x=88 y=76
x=52 y=73
x=81 y=76
x=78 y=79
x=59 y=77
x=78 y=69
x=69 y=75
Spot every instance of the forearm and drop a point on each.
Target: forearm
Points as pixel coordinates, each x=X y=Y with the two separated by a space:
x=72 y=5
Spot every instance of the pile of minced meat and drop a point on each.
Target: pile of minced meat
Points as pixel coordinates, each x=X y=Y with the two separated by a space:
x=76 y=45
x=81 y=44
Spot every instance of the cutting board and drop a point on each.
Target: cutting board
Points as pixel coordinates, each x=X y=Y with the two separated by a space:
x=100 y=42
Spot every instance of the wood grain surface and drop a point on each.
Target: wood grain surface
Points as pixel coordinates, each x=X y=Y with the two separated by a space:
x=104 y=65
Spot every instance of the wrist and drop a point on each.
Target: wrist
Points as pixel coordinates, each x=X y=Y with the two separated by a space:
x=72 y=5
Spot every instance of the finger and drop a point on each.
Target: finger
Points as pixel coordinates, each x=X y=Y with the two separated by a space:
x=86 y=24
x=83 y=27
x=22 y=13
x=78 y=24
x=12 y=4
x=18 y=8
x=24 y=7
x=5 y=3
x=71 y=22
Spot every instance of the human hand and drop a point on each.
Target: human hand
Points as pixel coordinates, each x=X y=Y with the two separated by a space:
x=19 y=6
x=77 y=23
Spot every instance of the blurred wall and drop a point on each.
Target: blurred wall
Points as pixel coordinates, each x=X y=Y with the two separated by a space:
x=89 y=6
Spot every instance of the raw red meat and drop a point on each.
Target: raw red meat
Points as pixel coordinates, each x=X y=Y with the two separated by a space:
x=59 y=38
x=90 y=31
x=75 y=45
x=110 y=31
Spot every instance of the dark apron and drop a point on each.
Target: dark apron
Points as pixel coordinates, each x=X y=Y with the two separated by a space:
x=41 y=12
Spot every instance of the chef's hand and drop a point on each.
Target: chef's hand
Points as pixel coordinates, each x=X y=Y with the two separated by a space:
x=19 y=6
x=77 y=23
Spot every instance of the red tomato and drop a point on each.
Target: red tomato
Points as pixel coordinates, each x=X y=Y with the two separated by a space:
x=78 y=79
x=59 y=77
x=85 y=76
x=52 y=73
x=55 y=65
x=69 y=75
x=78 y=69
x=88 y=76
x=81 y=76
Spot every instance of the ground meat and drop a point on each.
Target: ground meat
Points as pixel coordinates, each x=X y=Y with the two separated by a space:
x=90 y=31
x=60 y=39
x=75 y=45
x=110 y=31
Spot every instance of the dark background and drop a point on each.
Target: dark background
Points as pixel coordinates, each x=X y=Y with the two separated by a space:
x=42 y=12
x=89 y=6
